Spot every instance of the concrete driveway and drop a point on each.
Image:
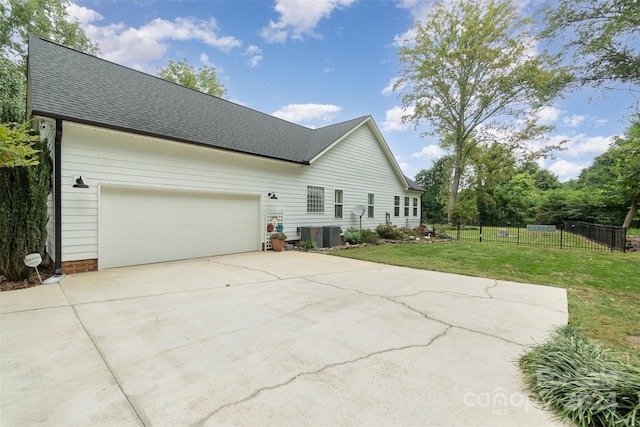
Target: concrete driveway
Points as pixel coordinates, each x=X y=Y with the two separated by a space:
x=285 y=338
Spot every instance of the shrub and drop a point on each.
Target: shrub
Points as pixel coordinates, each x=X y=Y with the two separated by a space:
x=388 y=231
x=369 y=236
x=353 y=237
x=582 y=381
x=308 y=244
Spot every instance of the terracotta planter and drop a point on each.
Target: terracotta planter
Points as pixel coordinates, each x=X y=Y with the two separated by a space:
x=277 y=245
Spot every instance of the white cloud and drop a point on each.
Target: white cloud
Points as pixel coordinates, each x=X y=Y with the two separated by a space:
x=83 y=14
x=304 y=113
x=204 y=58
x=137 y=47
x=388 y=90
x=299 y=18
x=430 y=152
x=548 y=115
x=255 y=55
x=567 y=170
x=574 y=120
x=580 y=145
x=393 y=119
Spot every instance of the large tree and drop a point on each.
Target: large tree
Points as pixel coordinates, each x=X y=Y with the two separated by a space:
x=473 y=73
x=203 y=79
x=603 y=36
x=614 y=178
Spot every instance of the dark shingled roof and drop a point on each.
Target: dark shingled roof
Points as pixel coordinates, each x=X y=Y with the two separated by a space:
x=413 y=185
x=74 y=86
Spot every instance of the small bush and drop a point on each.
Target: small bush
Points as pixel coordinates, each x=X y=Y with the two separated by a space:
x=353 y=237
x=582 y=381
x=308 y=245
x=369 y=236
x=388 y=231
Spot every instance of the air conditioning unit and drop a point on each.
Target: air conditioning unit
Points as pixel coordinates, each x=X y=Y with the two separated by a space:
x=331 y=236
x=312 y=233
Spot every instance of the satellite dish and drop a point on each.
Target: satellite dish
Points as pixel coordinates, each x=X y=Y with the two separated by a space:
x=359 y=210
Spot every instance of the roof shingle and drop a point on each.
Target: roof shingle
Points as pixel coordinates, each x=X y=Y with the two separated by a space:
x=71 y=85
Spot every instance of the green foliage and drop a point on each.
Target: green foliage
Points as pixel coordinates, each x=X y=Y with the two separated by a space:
x=603 y=37
x=203 y=79
x=469 y=72
x=353 y=237
x=48 y=19
x=437 y=183
x=368 y=236
x=308 y=244
x=12 y=92
x=16 y=145
x=583 y=381
x=389 y=231
x=23 y=213
x=278 y=236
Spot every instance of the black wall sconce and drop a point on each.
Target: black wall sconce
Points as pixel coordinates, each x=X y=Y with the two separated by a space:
x=272 y=196
x=80 y=183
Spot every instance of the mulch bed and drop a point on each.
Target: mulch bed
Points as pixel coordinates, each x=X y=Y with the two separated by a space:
x=45 y=273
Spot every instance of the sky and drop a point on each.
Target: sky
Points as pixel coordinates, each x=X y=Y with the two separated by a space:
x=319 y=62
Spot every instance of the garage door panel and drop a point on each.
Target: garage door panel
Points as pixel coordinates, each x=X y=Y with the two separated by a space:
x=139 y=226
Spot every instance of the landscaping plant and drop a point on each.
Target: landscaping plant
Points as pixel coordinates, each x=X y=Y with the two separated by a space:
x=582 y=381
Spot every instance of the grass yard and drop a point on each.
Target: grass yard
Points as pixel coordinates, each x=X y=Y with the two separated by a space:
x=603 y=287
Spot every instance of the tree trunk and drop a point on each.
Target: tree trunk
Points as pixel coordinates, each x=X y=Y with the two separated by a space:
x=632 y=211
x=457 y=173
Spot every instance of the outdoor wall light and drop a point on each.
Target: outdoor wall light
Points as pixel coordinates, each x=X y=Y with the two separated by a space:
x=272 y=196
x=80 y=183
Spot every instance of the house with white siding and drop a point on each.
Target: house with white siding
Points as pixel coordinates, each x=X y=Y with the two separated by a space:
x=147 y=171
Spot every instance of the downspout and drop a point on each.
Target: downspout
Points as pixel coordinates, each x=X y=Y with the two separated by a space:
x=57 y=195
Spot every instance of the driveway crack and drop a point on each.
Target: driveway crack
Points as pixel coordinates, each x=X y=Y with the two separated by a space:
x=425 y=315
x=318 y=371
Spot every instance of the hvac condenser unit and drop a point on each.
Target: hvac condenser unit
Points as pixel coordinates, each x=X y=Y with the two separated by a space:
x=331 y=236
x=312 y=233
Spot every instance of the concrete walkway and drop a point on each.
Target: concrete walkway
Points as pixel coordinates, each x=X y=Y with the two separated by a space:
x=286 y=338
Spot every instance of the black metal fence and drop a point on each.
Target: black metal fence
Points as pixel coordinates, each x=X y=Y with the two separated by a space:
x=569 y=235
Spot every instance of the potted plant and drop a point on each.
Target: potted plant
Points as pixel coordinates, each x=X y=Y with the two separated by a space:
x=277 y=241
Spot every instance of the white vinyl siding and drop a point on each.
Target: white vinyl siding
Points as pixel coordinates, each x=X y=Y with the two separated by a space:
x=112 y=158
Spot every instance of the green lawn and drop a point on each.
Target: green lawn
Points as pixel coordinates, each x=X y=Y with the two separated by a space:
x=603 y=287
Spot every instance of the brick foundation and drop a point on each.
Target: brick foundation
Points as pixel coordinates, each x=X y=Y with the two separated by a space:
x=81 y=266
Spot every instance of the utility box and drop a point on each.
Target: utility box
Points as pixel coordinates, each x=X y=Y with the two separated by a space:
x=312 y=233
x=331 y=236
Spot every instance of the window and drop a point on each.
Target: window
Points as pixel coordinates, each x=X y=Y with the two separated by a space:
x=315 y=199
x=415 y=206
x=370 y=206
x=337 y=208
x=396 y=206
x=406 y=206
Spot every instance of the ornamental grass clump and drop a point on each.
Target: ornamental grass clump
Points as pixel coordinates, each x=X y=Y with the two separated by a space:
x=582 y=381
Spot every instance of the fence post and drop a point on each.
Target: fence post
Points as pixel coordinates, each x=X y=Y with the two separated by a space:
x=518 y=233
x=480 y=231
x=458 y=237
x=613 y=238
x=561 y=228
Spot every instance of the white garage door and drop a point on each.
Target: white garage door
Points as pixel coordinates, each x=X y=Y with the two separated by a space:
x=141 y=226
